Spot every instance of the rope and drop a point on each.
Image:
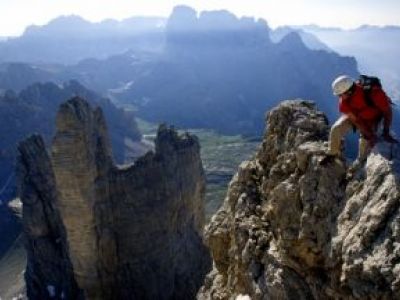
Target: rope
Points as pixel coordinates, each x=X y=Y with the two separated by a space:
x=6 y=184
x=391 y=151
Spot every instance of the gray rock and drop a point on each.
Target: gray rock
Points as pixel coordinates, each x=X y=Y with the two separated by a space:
x=293 y=228
x=132 y=232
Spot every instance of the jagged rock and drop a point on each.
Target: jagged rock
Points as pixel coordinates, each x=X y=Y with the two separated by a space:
x=293 y=228
x=34 y=109
x=131 y=232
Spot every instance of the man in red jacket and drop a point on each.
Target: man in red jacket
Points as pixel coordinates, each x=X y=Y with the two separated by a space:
x=361 y=113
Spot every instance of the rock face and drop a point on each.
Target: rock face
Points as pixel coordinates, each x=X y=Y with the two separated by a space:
x=48 y=267
x=293 y=228
x=133 y=232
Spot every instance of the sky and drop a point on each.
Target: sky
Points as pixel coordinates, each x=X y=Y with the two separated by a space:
x=16 y=15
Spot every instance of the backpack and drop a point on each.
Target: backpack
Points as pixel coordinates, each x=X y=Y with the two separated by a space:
x=368 y=83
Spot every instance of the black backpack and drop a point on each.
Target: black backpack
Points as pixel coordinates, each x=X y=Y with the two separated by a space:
x=368 y=83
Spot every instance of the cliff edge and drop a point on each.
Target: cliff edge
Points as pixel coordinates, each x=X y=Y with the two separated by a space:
x=97 y=231
x=292 y=228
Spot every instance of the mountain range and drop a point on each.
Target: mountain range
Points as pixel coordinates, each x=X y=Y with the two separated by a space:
x=69 y=39
x=211 y=70
x=225 y=77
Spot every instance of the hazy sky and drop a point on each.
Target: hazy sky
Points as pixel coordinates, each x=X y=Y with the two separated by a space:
x=15 y=15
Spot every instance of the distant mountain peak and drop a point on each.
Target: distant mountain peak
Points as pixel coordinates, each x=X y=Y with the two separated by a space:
x=309 y=39
x=183 y=11
x=62 y=23
x=68 y=19
x=217 y=16
x=366 y=27
x=185 y=18
x=292 y=40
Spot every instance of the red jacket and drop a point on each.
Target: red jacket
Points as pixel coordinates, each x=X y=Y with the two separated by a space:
x=366 y=114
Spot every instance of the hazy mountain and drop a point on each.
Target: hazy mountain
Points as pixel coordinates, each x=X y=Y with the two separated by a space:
x=310 y=40
x=110 y=75
x=17 y=76
x=375 y=48
x=34 y=109
x=101 y=75
x=68 y=39
x=215 y=71
x=222 y=72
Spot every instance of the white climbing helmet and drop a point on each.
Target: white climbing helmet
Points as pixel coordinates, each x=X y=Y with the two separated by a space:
x=342 y=84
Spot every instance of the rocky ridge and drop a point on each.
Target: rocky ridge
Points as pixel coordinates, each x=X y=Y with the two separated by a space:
x=98 y=231
x=293 y=228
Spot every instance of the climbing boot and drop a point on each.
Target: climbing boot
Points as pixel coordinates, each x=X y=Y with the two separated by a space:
x=332 y=158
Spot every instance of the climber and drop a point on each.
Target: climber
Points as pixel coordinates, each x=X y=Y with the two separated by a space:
x=363 y=105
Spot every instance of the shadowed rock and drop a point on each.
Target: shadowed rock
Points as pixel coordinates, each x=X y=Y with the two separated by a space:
x=48 y=265
x=133 y=232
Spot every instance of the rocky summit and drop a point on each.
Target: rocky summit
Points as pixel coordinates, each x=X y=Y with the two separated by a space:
x=97 y=231
x=292 y=227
